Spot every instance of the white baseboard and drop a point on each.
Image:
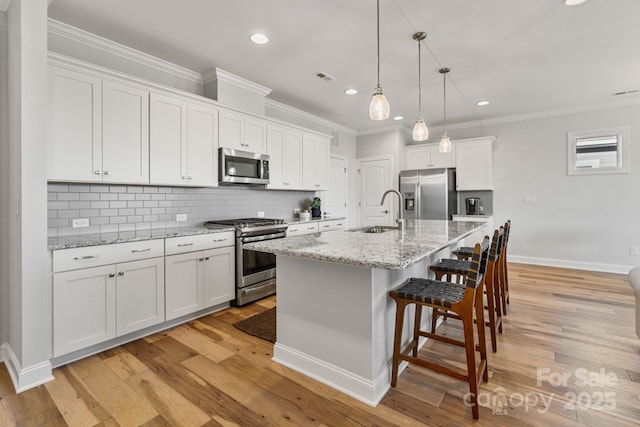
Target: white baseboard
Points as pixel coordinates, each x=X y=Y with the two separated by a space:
x=367 y=391
x=24 y=378
x=577 y=265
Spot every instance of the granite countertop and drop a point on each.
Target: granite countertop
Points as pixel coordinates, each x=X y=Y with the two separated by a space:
x=299 y=220
x=66 y=242
x=389 y=250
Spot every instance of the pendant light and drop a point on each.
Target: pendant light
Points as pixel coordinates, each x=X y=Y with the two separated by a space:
x=379 y=107
x=420 y=130
x=445 y=143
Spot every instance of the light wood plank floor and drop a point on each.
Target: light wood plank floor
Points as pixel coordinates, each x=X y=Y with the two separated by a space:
x=568 y=356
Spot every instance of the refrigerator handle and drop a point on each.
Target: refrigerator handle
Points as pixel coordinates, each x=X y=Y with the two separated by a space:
x=418 y=201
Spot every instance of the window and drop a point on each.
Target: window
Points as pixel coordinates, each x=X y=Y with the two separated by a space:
x=599 y=151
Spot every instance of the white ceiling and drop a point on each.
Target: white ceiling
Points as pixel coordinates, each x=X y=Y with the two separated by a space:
x=525 y=56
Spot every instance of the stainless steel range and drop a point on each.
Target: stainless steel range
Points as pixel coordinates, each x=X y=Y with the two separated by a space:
x=255 y=271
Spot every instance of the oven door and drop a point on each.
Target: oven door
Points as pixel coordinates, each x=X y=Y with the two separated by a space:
x=257 y=266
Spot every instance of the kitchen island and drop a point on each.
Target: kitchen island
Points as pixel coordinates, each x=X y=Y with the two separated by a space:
x=335 y=321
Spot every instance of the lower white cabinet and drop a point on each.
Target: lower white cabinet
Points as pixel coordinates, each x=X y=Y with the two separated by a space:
x=92 y=305
x=197 y=280
x=330 y=225
x=300 y=228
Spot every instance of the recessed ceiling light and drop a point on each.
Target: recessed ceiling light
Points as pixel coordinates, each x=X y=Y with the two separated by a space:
x=396 y=118
x=259 y=38
x=482 y=103
x=574 y=2
x=351 y=91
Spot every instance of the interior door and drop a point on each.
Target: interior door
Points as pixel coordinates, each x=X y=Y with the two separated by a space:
x=375 y=179
x=334 y=201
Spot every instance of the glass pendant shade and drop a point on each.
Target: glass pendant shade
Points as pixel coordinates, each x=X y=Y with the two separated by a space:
x=379 y=107
x=445 y=144
x=420 y=130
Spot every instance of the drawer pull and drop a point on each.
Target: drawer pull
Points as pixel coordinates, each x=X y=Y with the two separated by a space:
x=207 y=258
x=220 y=240
x=310 y=228
x=85 y=257
x=326 y=226
x=120 y=273
x=140 y=250
x=180 y=245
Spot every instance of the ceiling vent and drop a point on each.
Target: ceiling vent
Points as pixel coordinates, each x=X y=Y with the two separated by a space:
x=324 y=76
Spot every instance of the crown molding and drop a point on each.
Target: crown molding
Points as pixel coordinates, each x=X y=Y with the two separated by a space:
x=393 y=128
x=227 y=77
x=544 y=114
x=64 y=30
x=273 y=104
x=4 y=5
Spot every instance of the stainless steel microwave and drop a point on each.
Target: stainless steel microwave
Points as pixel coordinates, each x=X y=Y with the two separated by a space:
x=242 y=167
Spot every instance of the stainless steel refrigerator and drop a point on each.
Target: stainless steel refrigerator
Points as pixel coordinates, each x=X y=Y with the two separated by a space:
x=429 y=193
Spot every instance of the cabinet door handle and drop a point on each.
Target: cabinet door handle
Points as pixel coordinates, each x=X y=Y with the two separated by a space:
x=190 y=178
x=140 y=250
x=107 y=172
x=384 y=212
x=206 y=258
x=180 y=245
x=120 y=273
x=85 y=257
x=112 y=275
x=97 y=172
x=200 y=259
x=184 y=177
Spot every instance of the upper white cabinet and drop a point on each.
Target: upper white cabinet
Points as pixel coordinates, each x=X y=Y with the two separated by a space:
x=427 y=156
x=474 y=164
x=242 y=132
x=97 y=129
x=315 y=162
x=284 y=147
x=183 y=142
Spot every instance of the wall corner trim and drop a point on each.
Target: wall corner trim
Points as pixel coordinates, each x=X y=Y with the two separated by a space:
x=24 y=378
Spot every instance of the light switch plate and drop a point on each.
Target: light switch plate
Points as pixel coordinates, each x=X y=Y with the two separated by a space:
x=181 y=217
x=80 y=222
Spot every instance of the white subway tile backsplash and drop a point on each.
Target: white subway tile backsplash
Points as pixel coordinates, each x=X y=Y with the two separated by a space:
x=112 y=208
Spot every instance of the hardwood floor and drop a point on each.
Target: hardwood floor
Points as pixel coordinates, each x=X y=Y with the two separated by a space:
x=569 y=323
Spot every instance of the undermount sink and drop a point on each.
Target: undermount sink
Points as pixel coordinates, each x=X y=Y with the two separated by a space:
x=374 y=229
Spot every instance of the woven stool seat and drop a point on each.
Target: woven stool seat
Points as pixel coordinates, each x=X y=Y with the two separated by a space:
x=455 y=266
x=463 y=252
x=432 y=292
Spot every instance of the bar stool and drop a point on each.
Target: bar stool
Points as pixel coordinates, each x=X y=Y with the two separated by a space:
x=447 y=268
x=464 y=253
x=462 y=299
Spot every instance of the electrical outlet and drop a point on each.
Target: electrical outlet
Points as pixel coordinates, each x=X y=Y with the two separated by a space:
x=80 y=222
x=633 y=251
x=181 y=217
x=260 y=214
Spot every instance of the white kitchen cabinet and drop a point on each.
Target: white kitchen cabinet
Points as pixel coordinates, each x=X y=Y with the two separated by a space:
x=101 y=292
x=315 y=162
x=139 y=295
x=125 y=133
x=97 y=129
x=300 y=228
x=197 y=279
x=428 y=156
x=242 y=132
x=330 y=225
x=183 y=140
x=84 y=308
x=474 y=164
x=284 y=147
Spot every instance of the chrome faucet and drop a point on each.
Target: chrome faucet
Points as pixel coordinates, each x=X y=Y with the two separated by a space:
x=400 y=217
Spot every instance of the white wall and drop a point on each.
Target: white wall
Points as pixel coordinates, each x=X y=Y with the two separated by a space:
x=578 y=221
x=4 y=181
x=29 y=340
